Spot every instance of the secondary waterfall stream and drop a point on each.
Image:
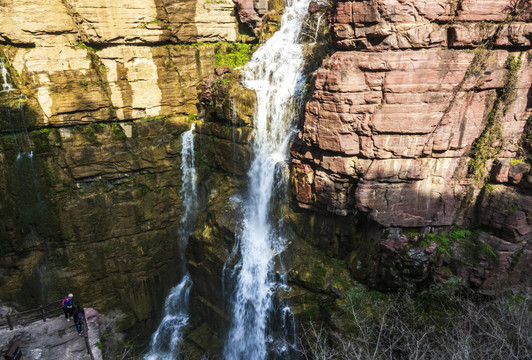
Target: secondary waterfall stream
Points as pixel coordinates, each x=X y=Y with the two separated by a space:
x=165 y=342
x=275 y=72
x=6 y=85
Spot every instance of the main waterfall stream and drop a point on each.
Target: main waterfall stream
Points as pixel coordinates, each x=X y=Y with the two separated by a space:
x=275 y=72
x=166 y=341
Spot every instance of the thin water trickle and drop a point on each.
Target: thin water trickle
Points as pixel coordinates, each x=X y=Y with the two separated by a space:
x=166 y=341
x=317 y=30
x=6 y=85
x=275 y=72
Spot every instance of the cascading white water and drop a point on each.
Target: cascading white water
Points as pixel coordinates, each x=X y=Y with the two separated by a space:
x=6 y=85
x=189 y=195
x=275 y=72
x=316 y=33
x=166 y=341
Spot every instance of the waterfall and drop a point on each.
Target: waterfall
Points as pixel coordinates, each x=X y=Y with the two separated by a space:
x=6 y=85
x=316 y=33
x=165 y=342
x=188 y=189
x=275 y=72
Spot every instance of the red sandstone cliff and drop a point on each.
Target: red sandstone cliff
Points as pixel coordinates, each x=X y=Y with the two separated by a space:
x=417 y=102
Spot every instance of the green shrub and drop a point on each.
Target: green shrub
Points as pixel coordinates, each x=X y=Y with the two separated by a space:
x=233 y=55
x=82 y=45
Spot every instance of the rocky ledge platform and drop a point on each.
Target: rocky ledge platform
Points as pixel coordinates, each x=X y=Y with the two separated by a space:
x=55 y=339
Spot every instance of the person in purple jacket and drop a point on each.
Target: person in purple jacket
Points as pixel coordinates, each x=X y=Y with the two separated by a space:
x=68 y=306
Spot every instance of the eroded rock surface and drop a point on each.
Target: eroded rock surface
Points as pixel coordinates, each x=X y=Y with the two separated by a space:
x=394 y=118
x=90 y=145
x=399 y=113
x=120 y=22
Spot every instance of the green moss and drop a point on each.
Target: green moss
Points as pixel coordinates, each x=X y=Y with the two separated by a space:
x=490 y=142
x=43 y=131
x=50 y=177
x=233 y=54
x=82 y=45
x=461 y=243
x=201 y=157
x=221 y=82
x=488 y=145
x=509 y=92
x=153 y=118
x=153 y=21
x=441 y=240
x=516 y=161
x=477 y=64
x=17 y=114
x=41 y=139
x=102 y=83
x=317 y=277
x=88 y=131
x=117 y=132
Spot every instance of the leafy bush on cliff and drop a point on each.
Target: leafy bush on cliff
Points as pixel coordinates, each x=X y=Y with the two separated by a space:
x=233 y=54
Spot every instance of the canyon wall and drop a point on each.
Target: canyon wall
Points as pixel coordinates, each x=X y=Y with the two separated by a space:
x=412 y=163
x=419 y=121
x=90 y=147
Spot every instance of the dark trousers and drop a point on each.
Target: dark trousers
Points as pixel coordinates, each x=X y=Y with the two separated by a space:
x=78 y=327
x=68 y=312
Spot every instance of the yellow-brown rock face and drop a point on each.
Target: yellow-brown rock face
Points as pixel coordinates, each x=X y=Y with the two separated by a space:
x=58 y=22
x=90 y=146
x=132 y=76
x=75 y=85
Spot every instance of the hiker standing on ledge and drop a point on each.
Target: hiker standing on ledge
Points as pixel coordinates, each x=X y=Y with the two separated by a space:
x=79 y=315
x=68 y=306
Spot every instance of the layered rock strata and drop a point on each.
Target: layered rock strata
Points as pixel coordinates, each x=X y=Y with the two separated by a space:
x=418 y=103
x=27 y=23
x=407 y=116
x=90 y=147
x=73 y=220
